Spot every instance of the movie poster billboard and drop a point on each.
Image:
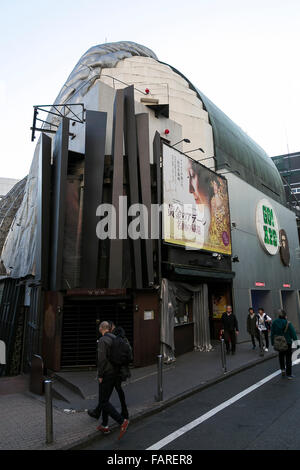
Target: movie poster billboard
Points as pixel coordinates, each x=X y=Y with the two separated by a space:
x=196 y=206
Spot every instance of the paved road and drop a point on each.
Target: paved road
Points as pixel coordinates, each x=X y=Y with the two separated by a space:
x=266 y=418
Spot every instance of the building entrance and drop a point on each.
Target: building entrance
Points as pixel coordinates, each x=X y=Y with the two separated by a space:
x=219 y=296
x=80 y=329
x=262 y=298
x=289 y=304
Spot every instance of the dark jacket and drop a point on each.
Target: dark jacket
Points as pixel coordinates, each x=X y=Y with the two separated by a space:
x=278 y=327
x=105 y=368
x=251 y=324
x=123 y=371
x=229 y=322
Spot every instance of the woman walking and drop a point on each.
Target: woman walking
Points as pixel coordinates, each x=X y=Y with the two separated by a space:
x=282 y=327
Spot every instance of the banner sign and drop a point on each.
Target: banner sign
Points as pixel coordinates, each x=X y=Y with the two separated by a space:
x=267 y=226
x=196 y=206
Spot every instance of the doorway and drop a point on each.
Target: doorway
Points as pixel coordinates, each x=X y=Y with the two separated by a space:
x=289 y=304
x=80 y=331
x=263 y=299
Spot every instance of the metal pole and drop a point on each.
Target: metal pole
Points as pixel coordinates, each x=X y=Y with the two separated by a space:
x=159 y=396
x=223 y=356
x=49 y=411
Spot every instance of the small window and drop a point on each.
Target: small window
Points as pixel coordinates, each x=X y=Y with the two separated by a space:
x=184 y=313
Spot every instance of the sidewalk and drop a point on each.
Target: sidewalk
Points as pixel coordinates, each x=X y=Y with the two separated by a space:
x=22 y=414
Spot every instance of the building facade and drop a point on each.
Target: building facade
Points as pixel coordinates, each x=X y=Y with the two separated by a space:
x=149 y=140
x=288 y=166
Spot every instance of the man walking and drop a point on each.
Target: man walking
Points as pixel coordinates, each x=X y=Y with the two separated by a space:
x=122 y=371
x=107 y=376
x=263 y=324
x=230 y=329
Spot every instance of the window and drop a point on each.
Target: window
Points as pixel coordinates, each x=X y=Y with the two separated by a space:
x=184 y=313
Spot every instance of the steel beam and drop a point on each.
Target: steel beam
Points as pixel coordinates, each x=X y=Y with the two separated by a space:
x=130 y=138
x=43 y=212
x=60 y=169
x=142 y=121
x=115 y=277
x=156 y=157
x=95 y=136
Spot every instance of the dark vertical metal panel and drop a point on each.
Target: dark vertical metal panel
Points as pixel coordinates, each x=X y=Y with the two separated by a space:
x=95 y=135
x=115 y=277
x=11 y=314
x=156 y=158
x=142 y=121
x=60 y=168
x=131 y=152
x=43 y=212
x=52 y=328
x=71 y=255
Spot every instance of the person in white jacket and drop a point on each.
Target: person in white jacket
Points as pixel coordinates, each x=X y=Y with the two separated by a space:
x=263 y=325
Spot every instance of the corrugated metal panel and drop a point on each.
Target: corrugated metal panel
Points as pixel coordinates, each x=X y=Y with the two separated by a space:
x=81 y=320
x=235 y=147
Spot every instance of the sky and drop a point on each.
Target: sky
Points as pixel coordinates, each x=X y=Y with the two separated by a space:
x=242 y=54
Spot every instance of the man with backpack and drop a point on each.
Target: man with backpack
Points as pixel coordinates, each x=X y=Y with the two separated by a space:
x=107 y=377
x=282 y=336
x=120 y=356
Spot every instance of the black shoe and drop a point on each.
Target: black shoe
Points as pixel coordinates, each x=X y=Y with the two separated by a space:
x=94 y=414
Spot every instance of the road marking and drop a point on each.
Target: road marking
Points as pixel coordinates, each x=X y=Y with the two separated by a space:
x=174 y=435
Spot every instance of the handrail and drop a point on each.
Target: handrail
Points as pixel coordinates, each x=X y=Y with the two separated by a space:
x=124 y=83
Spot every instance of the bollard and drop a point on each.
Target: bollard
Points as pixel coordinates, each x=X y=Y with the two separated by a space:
x=159 y=396
x=223 y=356
x=49 y=411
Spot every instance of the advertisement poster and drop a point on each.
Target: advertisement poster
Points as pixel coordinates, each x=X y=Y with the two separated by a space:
x=196 y=206
x=219 y=305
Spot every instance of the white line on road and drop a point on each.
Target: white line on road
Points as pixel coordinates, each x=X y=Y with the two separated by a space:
x=171 y=437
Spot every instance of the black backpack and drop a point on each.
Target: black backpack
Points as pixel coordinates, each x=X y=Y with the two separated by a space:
x=120 y=352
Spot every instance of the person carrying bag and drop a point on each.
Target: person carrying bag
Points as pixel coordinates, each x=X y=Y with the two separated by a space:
x=282 y=336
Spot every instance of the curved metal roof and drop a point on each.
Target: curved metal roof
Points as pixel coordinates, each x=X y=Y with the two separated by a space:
x=232 y=144
x=234 y=147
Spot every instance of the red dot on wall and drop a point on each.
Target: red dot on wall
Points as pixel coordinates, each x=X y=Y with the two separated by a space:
x=147 y=91
x=167 y=131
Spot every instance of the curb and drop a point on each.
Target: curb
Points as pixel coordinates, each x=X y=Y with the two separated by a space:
x=157 y=407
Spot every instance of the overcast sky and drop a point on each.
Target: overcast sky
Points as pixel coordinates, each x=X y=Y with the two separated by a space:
x=243 y=54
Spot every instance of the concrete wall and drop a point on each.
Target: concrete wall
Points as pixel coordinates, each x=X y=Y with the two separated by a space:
x=169 y=88
x=101 y=98
x=254 y=263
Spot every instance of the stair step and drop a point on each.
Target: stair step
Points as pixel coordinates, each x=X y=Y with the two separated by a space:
x=68 y=385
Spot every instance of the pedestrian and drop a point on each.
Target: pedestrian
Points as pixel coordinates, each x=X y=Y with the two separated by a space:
x=122 y=374
x=230 y=329
x=107 y=378
x=263 y=324
x=282 y=327
x=251 y=326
